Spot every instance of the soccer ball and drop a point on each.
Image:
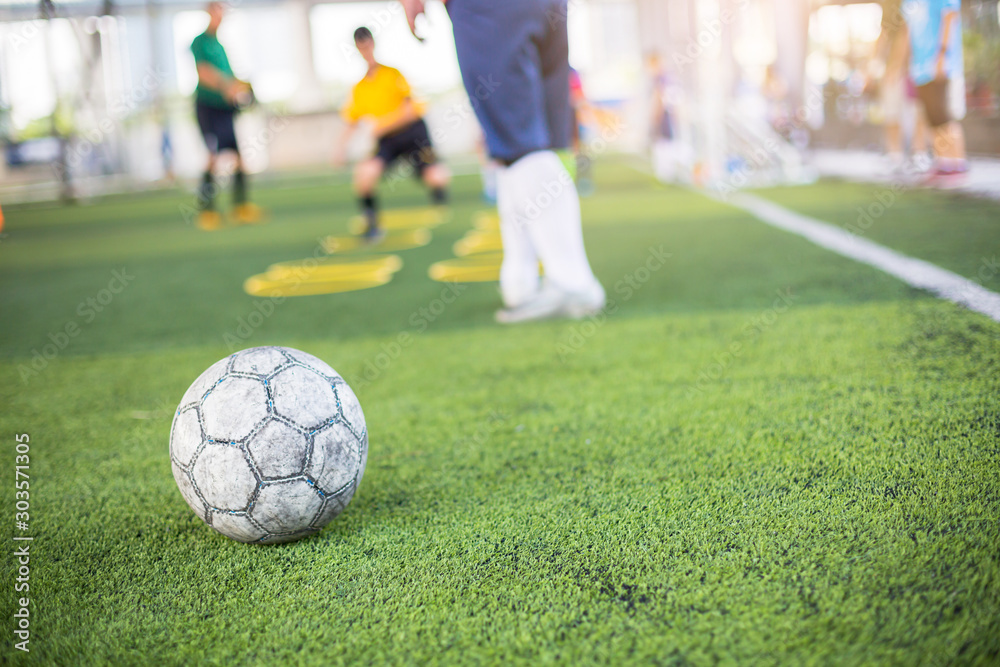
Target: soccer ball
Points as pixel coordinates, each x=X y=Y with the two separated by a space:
x=268 y=445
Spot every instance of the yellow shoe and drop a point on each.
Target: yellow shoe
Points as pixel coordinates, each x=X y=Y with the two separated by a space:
x=248 y=214
x=209 y=221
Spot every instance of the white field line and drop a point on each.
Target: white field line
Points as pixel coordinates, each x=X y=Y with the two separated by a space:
x=914 y=272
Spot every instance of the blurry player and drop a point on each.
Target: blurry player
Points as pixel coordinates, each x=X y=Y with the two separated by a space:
x=938 y=70
x=514 y=58
x=216 y=100
x=384 y=97
x=891 y=50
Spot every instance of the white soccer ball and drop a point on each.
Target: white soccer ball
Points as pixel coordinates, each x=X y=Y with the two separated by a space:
x=268 y=445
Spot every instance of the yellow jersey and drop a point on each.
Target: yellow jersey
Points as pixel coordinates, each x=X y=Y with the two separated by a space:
x=380 y=97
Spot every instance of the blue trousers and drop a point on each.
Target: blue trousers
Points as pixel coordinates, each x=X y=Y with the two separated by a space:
x=514 y=57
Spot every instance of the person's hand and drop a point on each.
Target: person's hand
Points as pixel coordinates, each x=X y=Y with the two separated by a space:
x=413 y=9
x=234 y=89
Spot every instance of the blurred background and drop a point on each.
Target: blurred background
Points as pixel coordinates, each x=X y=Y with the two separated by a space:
x=96 y=97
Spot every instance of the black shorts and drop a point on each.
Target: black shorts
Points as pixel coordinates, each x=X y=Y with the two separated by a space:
x=412 y=143
x=934 y=97
x=217 y=127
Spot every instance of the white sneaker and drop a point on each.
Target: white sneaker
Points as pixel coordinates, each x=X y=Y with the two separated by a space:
x=894 y=163
x=920 y=163
x=551 y=303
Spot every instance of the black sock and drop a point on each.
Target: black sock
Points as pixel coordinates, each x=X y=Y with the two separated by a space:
x=239 y=188
x=206 y=192
x=369 y=208
x=439 y=196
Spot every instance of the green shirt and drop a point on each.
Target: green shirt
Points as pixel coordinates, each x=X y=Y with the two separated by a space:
x=207 y=49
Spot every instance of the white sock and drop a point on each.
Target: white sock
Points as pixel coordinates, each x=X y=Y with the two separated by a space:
x=540 y=212
x=519 y=271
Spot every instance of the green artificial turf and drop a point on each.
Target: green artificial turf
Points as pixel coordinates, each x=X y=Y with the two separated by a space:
x=956 y=232
x=764 y=454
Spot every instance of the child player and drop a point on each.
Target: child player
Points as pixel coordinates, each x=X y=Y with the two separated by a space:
x=938 y=69
x=383 y=96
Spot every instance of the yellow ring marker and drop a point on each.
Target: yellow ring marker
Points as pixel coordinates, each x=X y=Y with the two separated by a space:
x=261 y=286
x=308 y=277
x=403 y=240
x=319 y=271
x=403 y=218
x=476 y=242
x=483 y=268
x=486 y=221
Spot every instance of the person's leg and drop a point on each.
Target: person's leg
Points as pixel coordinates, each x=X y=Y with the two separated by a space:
x=366 y=178
x=958 y=141
x=919 y=144
x=894 y=155
x=949 y=146
x=547 y=208
x=946 y=134
x=501 y=71
x=550 y=203
x=437 y=178
x=893 y=93
x=244 y=212
x=519 y=281
x=922 y=159
x=519 y=86
x=955 y=150
x=420 y=153
x=239 y=181
x=504 y=86
x=206 y=189
x=553 y=54
x=208 y=218
x=894 y=139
